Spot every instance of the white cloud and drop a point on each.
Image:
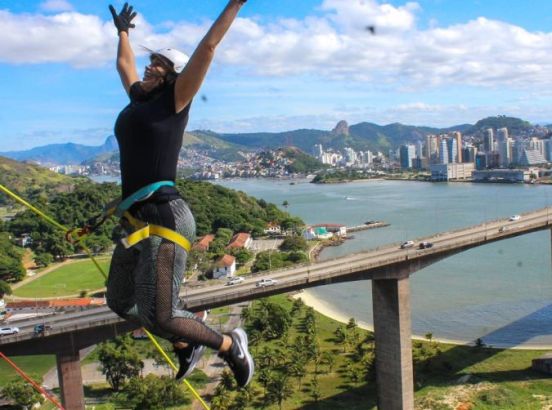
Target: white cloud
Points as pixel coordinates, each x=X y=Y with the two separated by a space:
x=56 y=5
x=335 y=44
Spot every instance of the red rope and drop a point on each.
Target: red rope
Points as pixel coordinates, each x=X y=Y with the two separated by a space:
x=31 y=381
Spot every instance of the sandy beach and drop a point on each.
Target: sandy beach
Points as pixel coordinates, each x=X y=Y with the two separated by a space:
x=330 y=311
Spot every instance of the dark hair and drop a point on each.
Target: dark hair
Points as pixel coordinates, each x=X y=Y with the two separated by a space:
x=171 y=75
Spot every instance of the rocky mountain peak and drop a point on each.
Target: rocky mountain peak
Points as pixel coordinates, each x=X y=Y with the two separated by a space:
x=342 y=128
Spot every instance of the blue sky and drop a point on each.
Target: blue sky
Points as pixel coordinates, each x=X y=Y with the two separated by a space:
x=284 y=65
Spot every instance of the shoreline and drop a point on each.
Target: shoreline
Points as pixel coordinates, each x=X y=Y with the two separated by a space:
x=329 y=311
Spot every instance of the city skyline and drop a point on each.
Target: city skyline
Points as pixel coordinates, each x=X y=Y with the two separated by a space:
x=283 y=66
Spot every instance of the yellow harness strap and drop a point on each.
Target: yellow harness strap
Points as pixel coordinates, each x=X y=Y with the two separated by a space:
x=144 y=231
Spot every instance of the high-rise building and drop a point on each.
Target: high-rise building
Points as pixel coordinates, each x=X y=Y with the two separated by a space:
x=504 y=150
x=317 y=151
x=481 y=160
x=452 y=148
x=443 y=152
x=548 y=150
x=502 y=134
x=407 y=154
x=488 y=140
x=468 y=153
x=458 y=137
x=531 y=157
x=419 y=149
x=517 y=151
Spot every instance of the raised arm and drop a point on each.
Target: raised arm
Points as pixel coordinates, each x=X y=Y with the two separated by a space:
x=190 y=79
x=126 y=63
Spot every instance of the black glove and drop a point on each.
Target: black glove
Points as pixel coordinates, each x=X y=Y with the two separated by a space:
x=123 y=20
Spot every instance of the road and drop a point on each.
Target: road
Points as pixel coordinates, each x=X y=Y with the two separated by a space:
x=307 y=275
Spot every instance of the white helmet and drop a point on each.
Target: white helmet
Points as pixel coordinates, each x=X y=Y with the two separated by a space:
x=178 y=58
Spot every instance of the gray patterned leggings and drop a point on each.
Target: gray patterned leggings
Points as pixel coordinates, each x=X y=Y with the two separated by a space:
x=144 y=280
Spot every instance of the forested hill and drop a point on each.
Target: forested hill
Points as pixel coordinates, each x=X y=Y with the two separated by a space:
x=216 y=207
x=31 y=181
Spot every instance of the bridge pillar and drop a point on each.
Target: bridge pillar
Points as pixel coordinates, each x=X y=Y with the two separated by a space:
x=392 y=331
x=70 y=379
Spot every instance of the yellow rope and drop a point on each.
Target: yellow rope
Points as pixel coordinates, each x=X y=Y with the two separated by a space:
x=79 y=239
x=55 y=223
x=170 y=362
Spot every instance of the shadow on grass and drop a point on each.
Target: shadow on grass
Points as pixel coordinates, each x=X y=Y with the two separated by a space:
x=359 y=397
x=449 y=366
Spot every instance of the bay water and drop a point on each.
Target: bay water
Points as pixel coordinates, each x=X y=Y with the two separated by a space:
x=501 y=292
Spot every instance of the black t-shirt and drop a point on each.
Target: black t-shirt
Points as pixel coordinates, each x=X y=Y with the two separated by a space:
x=149 y=133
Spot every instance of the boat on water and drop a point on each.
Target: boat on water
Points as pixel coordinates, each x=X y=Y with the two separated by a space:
x=349 y=198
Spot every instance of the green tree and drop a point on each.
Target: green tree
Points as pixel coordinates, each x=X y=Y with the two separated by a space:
x=297 y=306
x=5 y=289
x=222 y=399
x=119 y=361
x=340 y=336
x=315 y=389
x=329 y=358
x=294 y=243
x=227 y=380
x=279 y=389
x=152 y=393
x=242 y=255
x=22 y=393
x=270 y=319
x=243 y=399
x=43 y=259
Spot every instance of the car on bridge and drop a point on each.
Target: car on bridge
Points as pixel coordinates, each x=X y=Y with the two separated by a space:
x=407 y=244
x=266 y=282
x=514 y=218
x=235 y=280
x=8 y=331
x=425 y=245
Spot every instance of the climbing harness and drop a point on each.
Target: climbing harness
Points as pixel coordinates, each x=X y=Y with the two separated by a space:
x=143 y=231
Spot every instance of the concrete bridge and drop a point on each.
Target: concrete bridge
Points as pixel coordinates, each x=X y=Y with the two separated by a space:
x=388 y=267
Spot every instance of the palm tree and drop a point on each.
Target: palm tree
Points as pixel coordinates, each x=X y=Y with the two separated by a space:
x=279 y=389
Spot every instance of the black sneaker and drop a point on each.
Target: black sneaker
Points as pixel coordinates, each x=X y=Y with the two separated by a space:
x=239 y=359
x=190 y=355
x=188 y=358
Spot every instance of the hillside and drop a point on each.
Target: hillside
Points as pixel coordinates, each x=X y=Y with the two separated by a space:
x=214 y=146
x=31 y=180
x=514 y=125
x=301 y=162
x=58 y=154
x=229 y=146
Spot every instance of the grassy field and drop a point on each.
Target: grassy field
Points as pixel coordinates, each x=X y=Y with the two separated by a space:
x=34 y=366
x=445 y=376
x=69 y=279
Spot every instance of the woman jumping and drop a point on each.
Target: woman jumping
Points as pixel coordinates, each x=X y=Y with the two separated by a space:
x=148 y=266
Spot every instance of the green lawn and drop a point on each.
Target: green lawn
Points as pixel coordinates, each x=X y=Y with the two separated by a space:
x=34 y=366
x=67 y=280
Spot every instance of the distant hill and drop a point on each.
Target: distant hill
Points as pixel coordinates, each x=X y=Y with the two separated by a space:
x=228 y=146
x=362 y=136
x=32 y=181
x=514 y=125
x=69 y=153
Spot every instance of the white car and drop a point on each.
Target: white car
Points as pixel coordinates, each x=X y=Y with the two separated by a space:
x=235 y=280
x=9 y=330
x=515 y=218
x=407 y=244
x=266 y=282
